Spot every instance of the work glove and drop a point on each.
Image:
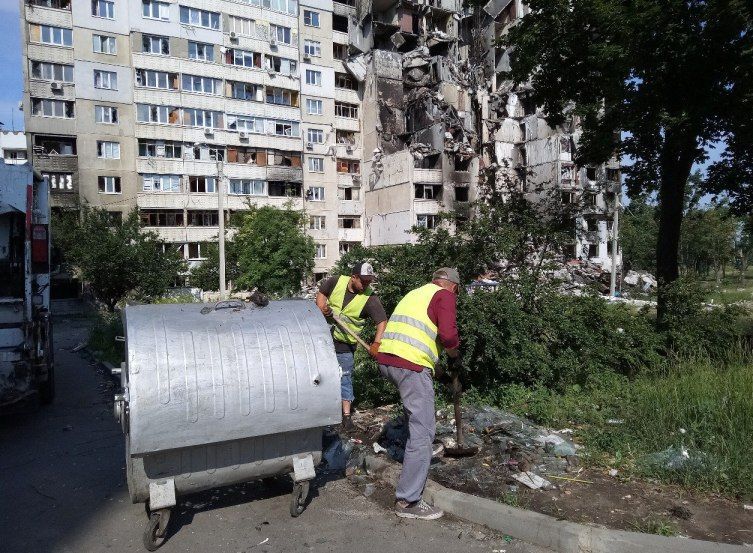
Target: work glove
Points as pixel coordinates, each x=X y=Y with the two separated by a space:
x=326 y=311
x=374 y=349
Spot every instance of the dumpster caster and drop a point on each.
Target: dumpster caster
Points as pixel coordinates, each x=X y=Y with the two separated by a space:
x=156 y=529
x=298 y=498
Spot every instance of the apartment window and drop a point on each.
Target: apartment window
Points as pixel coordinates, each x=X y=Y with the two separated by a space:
x=203 y=218
x=56 y=145
x=107 y=80
x=348 y=166
x=106 y=114
x=248 y=187
x=286 y=128
x=14 y=155
x=161 y=217
x=202 y=185
x=244 y=58
x=156 y=79
x=147 y=113
x=282 y=96
x=426 y=221
x=313 y=77
x=346 y=110
x=316 y=165
x=339 y=23
x=248 y=156
x=461 y=193
x=246 y=91
x=343 y=80
x=280 y=33
x=109 y=185
x=314 y=107
x=567 y=197
x=103 y=44
x=200 y=51
x=152 y=9
x=45 y=107
x=321 y=251
x=428 y=191
x=160 y=148
x=315 y=136
x=345 y=137
x=589 y=200
x=339 y=51
x=202 y=118
x=156 y=45
x=591 y=173
x=205 y=85
x=47 y=34
x=160 y=183
x=315 y=194
x=312 y=48
x=285 y=6
x=284 y=189
x=348 y=222
x=199 y=18
x=52 y=71
x=194 y=250
x=60 y=181
x=310 y=18
x=205 y=153
x=243 y=26
x=284 y=66
x=349 y=193
x=103 y=8
x=108 y=150
x=55 y=4
x=317 y=222
x=345 y=247
x=245 y=123
x=283 y=159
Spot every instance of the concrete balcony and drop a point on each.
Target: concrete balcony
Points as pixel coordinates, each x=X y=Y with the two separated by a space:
x=345 y=180
x=176 y=200
x=49 y=16
x=55 y=54
x=339 y=37
x=347 y=95
x=347 y=124
x=427 y=206
x=339 y=8
x=43 y=89
x=289 y=174
x=244 y=171
x=427 y=176
x=350 y=234
x=186 y=234
x=176 y=166
x=350 y=207
x=461 y=177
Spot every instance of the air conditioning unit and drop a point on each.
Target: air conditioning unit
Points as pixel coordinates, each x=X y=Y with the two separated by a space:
x=273 y=42
x=242 y=135
x=349 y=148
x=233 y=36
x=306 y=57
x=356 y=179
x=56 y=86
x=208 y=132
x=309 y=145
x=271 y=72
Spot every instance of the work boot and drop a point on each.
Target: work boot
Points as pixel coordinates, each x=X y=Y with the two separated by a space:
x=347 y=424
x=419 y=509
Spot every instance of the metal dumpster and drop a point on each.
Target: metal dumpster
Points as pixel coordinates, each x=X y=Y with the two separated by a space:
x=214 y=395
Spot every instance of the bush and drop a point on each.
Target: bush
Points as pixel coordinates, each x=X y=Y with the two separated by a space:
x=102 y=338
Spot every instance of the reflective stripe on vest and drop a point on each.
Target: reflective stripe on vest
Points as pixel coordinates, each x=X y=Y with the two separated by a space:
x=351 y=314
x=410 y=333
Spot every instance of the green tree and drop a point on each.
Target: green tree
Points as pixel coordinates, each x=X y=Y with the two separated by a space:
x=744 y=246
x=117 y=260
x=206 y=275
x=656 y=81
x=707 y=242
x=273 y=252
x=638 y=231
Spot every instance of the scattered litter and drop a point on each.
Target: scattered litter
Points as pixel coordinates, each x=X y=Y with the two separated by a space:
x=263 y=541
x=356 y=440
x=748 y=507
x=615 y=421
x=570 y=479
x=369 y=489
x=79 y=346
x=613 y=472
x=378 y=448
x=533 y=481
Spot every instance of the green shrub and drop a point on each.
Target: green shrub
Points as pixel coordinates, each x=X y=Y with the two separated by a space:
x=102 y=338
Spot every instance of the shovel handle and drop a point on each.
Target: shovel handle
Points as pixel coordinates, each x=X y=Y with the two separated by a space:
x=457 y=391
x=358 y=339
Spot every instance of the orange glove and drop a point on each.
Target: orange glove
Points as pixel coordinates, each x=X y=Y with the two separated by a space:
x=374 y=349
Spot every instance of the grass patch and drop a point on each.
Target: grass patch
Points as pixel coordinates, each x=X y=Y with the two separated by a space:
x=653 y=525
x=690 y=425
x=102 y=338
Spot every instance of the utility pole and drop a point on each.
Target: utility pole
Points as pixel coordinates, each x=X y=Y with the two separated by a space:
x=615 y=230
x=221 y=213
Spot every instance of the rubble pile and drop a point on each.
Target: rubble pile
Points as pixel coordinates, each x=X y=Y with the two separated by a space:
x=513 y=450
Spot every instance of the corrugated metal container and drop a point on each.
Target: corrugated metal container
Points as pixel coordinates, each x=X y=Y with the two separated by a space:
x=220 y=394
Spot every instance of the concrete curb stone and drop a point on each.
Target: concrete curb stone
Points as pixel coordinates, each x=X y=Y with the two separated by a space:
x=545 y=531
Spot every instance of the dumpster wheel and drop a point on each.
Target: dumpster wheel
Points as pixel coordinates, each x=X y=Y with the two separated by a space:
x=298 y=498
x=152 y=538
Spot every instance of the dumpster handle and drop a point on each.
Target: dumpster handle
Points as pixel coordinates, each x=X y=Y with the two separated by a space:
x=229 y=304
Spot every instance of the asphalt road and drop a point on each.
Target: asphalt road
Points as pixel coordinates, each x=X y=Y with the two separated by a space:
x=63 y=489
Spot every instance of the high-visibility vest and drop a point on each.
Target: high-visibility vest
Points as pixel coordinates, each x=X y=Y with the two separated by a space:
x=350 y=315
x=410 y=333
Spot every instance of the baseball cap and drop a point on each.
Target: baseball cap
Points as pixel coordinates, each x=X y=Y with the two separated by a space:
x=447 y=273
x=364 y=270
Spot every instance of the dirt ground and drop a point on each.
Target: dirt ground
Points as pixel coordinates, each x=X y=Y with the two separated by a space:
x=615 y=502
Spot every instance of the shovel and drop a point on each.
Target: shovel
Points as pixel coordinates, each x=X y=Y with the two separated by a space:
x=459 y=450
x=358 y=339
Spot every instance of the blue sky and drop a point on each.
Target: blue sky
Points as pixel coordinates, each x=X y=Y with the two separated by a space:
x=11 y=80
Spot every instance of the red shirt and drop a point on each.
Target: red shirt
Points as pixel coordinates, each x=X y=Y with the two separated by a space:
x=442 y=311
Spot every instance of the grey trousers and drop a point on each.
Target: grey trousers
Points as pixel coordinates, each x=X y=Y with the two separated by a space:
x=417 y=392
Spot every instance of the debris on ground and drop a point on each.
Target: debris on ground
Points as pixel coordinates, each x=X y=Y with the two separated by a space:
x=532 y=480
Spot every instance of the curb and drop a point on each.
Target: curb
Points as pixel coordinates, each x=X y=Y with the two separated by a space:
x=545 y=531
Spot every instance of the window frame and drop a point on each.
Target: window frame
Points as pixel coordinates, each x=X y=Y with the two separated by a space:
x=312 y=169
x=316 y=77
x=319 y=133
x=207 y=48
x=308 y=19
x=99 y=40
x=103 y=184
x=104 y=145
x=160 y=5
x=189 y=12
x=99 y=4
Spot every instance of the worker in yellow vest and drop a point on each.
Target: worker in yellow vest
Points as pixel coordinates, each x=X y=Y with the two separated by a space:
x=352 y=300
x=424 y=321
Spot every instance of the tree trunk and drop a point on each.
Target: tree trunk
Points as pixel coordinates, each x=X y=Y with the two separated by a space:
x=676 y=161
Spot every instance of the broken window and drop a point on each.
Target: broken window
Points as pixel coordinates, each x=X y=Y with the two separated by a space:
x=345 y=247
x=284 y=66
x=60 y=182
x=589 y=199
x=243 y=58
x=55 y=145
x=160 y=148
x=567 y=197
x=161 y=217
x=591 y=173
x=244 y=91
x=317 y=222
x=44 y=107
x=348 y=222
x=151 y=44
x=206 y=185
x=55 y=4
x=248 y=187
x=345 y=137
x=349 y=193
x=593 y=250
x=346 y=110
x=286 y=128
x=426 y=221
x=203 y=218
x=613 y=175
x=315 y=194
x=321 y=251
x=153 y=79
x=339 y=51
x=428 y=191
x=343 y=80
x=283 y=159
x=108 y=185
x=339 y=23
x=348 y=166
x=282 y=96
x=285 y=189
x=461 y=193
x=249 y=156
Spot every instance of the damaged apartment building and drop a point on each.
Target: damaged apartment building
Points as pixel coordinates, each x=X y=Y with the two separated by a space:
x=437 y=112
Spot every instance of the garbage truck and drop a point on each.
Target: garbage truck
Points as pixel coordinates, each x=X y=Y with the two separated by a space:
x=26 y=353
